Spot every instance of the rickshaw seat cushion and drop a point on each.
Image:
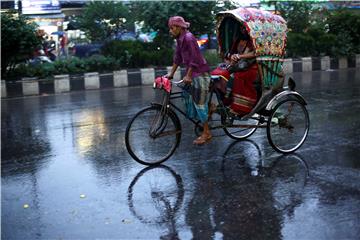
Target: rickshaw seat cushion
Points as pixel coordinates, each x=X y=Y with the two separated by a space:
x=223 y=73
x=223 y=79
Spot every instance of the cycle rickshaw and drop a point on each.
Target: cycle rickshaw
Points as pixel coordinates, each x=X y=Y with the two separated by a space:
x=154 y=133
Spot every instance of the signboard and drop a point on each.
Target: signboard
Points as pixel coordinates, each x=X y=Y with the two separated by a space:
x=272 y=1
x=40 y=6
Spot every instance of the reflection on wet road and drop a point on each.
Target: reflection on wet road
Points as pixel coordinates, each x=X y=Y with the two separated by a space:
x=67 y=175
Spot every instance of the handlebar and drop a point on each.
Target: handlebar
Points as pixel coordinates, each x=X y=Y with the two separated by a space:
x=164 y=83
x=177 y=82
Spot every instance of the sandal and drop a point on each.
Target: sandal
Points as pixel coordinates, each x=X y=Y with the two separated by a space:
x=202 y=140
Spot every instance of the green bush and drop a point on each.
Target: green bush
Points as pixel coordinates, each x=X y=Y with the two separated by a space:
x=326 y=44
x=126 y=54
x=314 y=42
x=21 y=70
x=100 y=64
x=72 y=65
x=75 y=65
x=333 y=33
x=135 y=54
x=44 y=70
x=345 y=25
x=296 y=43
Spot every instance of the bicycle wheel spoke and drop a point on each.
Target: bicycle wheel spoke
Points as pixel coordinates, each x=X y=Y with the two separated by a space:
x=155 y=195
x=166 y=133
x=288 y=126
x=152 y=136
x=241 y=129
x=237 y=130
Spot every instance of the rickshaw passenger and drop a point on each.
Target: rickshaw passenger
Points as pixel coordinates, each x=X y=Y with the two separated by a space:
x=197 y=74
x=241 y=93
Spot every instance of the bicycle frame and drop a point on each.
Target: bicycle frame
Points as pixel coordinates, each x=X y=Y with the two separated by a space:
x=224 y=113
x=166 y=122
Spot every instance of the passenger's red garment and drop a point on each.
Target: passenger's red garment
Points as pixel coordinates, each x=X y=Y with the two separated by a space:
x=243 y=91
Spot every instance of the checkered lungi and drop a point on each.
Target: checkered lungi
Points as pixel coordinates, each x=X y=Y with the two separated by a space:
x=196 y=99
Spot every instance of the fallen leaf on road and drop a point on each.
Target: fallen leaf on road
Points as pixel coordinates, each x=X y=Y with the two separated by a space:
x=126 y=221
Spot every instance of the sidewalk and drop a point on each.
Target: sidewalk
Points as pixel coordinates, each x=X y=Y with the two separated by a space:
x=145 y=76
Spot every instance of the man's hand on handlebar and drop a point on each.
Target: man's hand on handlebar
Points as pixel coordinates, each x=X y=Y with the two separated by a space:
x=168 y=76
x=187 y=80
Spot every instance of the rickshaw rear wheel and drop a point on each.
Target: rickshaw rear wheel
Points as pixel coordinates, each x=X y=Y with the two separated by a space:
x=288 y=126
x=239 y=133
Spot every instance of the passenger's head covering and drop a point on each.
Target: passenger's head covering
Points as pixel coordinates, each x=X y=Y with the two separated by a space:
x=244 y=37
x=178 y=21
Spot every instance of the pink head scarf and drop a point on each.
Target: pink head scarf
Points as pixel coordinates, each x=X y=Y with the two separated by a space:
x=178 y=21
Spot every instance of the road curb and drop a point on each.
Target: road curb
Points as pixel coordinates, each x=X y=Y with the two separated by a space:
x=145 y=76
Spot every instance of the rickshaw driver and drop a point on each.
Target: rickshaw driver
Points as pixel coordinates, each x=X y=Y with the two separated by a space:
x=197 y=74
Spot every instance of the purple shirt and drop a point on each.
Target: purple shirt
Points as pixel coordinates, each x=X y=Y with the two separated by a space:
x=188 y=53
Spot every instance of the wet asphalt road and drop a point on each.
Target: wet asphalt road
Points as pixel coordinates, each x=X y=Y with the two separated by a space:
x=67 y=175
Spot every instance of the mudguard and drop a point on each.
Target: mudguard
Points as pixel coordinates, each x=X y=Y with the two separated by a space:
x=287 y=94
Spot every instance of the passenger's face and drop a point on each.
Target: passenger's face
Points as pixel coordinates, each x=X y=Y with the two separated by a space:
x=241 y=45
x=175 y=31
x=242 y=42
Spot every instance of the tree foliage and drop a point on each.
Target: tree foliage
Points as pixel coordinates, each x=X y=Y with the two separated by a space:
x=345 y=25
x=322 y=31
x=136 y=54
x=101 y=20
x=297 y=14
x=18 y=41
x=155 y=15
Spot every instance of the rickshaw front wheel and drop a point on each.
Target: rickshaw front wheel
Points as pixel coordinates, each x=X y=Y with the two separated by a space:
x=152 y=136
x=288 y=126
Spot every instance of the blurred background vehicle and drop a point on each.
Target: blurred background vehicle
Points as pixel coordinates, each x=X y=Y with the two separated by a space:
x=205 y=43
x=126 y=36
x=136 y=36
x=39 y=58
x=83 y=50
x=147 y=37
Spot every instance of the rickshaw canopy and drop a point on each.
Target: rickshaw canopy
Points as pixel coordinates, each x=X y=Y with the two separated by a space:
x=266 y=30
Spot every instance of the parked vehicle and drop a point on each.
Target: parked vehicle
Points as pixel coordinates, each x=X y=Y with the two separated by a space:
x=83 y=50
x=51 y=53
x=39 y=58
